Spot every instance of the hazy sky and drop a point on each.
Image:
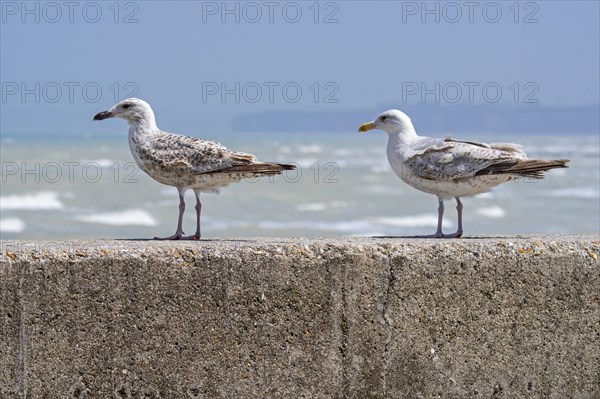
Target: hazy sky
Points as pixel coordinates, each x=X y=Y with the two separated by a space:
x=271 y=55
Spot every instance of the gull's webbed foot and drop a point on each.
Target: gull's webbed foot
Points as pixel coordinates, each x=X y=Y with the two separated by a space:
x=458 y=234
x=176 y=236
x=436 y=235
x=194 y=237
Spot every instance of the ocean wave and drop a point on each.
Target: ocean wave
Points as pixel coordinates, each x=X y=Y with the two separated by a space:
x=357 y=226
x=12 y=225
x=351 y=226
x=211 y=225
x=487 y=195
x=306 y=163
x=310 y=149
x=345 y=152
x=384 y=189
x=128 y=217
x=494 y=212
x=423 y=220
x=311 y=207
x=104 y=163
x=43 y=200
x=575 y=192
x=320 y=206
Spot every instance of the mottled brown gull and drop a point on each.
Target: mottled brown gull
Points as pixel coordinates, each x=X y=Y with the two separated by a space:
x=452 y=168
x=182 y=161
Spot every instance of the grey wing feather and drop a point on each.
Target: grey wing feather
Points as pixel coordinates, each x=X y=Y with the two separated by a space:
x=456 y=160
x=475 y=143
x=506 y=147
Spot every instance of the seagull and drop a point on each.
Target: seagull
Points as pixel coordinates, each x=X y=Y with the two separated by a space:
x=451 y=168
x=182 y=161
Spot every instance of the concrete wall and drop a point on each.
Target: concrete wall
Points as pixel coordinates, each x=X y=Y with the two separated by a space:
x=506 y=317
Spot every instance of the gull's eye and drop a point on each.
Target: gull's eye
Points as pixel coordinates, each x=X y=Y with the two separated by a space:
x=383 y=118
x=125 y=106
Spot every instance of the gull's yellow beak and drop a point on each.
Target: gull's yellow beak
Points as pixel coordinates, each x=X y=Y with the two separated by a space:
x=367 y=126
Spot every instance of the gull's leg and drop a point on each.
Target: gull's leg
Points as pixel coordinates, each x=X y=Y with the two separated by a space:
x=459 y=231
x=198 y=208
x=438 y=232
x=179 y=233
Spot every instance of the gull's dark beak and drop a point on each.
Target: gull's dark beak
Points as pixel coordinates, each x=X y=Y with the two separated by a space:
x=103 y=115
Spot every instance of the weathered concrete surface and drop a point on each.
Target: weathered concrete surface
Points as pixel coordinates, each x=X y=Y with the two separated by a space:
x=505 y=317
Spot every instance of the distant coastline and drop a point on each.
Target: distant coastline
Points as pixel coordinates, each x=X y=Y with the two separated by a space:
x=429 y=119
x=436 y=118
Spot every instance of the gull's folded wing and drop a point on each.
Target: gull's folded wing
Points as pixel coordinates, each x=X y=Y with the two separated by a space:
x=457 y=160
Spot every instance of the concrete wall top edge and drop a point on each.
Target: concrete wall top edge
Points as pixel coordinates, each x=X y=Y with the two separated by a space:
x=84 y=250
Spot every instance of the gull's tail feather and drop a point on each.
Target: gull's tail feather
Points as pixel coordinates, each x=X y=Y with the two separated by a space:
x=261 y=168
x=525 y=167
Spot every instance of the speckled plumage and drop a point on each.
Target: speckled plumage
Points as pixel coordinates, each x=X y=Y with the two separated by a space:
x=182 y=161
x=191 y=163
x=452 y=168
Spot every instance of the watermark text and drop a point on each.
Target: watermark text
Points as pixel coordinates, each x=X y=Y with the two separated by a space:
x=53 y=12
x=470 y=92
x=270 y=92
x=54 y=92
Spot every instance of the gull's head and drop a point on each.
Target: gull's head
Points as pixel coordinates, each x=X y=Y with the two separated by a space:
x=392 y=121
x=133 y=110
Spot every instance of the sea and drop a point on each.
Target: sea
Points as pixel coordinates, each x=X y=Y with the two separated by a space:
x=87 y=186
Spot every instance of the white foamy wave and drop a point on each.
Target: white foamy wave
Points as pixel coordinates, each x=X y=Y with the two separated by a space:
x=306 y=163
x=11 y=225
x=423 y=220
x=37 y=201
x=358 y=226
x=344 y=152
x=487 y=195
x=320 y=206
x=494 y=212
x=576 y=192
x=103 y=163
x=351 y=226
x=128 y=217
x=310 y=149
x=211 y=225
x=312 y=207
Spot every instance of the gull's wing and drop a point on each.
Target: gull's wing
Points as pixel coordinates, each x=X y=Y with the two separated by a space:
x=191 y=154
x=455 y=160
